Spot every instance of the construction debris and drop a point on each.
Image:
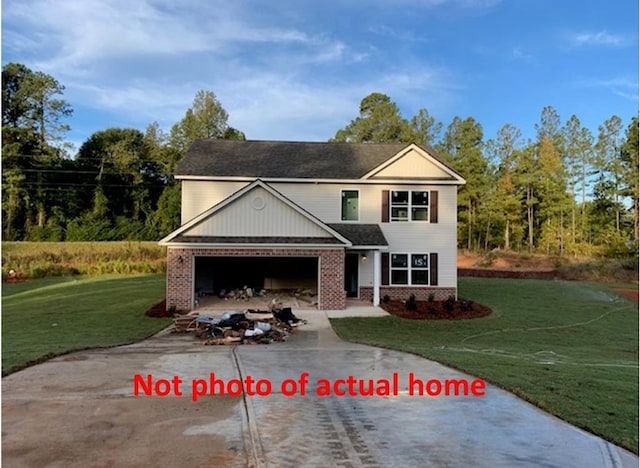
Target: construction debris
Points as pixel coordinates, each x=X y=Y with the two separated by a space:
x=308 y=297
x=240 y=326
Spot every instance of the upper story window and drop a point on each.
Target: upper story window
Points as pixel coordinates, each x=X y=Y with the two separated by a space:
x=350 y=206
x=409 y=205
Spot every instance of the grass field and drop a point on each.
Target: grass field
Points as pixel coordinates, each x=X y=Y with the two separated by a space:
x=45 y=259
x=52 y=316
x=570 y=348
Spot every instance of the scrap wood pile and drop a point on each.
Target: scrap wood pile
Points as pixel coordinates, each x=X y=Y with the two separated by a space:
x=246 y=293
x=240 y=327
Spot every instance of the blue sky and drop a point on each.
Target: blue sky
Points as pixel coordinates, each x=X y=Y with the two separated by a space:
x=298 y=69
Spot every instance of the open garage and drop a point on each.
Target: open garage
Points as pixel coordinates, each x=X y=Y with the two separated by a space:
x=197 y=274
x=213 y=274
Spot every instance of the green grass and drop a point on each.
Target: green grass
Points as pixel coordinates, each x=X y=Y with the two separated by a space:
x=570 y=348
x=52 y=316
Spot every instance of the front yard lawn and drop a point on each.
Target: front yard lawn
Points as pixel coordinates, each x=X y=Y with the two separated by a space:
x=52 y=316
x=570 y=348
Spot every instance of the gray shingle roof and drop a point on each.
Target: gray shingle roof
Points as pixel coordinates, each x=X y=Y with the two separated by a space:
x=265 y=159
x=361 y=234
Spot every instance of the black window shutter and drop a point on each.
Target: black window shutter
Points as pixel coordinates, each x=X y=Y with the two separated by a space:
x=433 y=206
x=385 y=206
x=433 y=269
x=385 y=268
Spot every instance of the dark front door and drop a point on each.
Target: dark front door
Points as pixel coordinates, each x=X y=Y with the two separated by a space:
x=351 y=274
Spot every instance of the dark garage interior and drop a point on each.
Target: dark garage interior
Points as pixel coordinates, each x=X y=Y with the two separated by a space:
x=213 y=274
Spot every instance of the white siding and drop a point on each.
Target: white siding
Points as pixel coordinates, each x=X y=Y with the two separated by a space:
x=258 y=213
x=366 y=271
x=324 y=201
x=199 y=196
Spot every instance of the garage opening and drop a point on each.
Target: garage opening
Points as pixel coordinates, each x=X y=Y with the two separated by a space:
x=225 y=277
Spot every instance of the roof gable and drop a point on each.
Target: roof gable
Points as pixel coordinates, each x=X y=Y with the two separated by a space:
x=255 y=212
x=414 y=163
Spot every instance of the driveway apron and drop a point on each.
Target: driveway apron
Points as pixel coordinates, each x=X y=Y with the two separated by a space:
x=80 y=410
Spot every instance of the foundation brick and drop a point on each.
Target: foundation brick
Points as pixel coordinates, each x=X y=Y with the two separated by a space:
x=402 y=293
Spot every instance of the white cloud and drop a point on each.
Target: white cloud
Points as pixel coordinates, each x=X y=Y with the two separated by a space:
x=467 y=4
x=520 y=54
x=620 y=86
x=601 y=38
x=135 y=62
x=272 y=105
x=78 y=33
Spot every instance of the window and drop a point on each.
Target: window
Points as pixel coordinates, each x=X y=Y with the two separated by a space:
x=399 y=206
x=410 y=269
x=409 y=206
x=350 y=208
x=419 y=206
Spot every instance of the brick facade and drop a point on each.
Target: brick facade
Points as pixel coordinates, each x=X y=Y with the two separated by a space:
x=402 y=293
x=180 y=268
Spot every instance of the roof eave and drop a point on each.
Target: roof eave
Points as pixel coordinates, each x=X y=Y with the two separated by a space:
x=199 y=245
x=399 y=181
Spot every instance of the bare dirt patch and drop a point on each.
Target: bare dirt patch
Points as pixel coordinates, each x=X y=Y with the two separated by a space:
x=159 y=310
x=508 y=260
x=633 y=294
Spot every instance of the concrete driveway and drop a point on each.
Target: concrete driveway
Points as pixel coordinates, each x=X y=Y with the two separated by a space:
x=79 y=410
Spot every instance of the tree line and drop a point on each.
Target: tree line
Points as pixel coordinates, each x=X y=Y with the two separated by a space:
x=118 y=186
x=567 y=191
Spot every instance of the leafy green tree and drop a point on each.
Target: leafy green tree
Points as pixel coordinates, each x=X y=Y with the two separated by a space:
x=206 y=118
x=552 y=191
x=167 y=217
x=463 y=145
x=578 y=146
x=526 y=176
x=424 y=129
x=123 y=178
x=550 y=182
x=379 y=122
x=32 y=128
x=503 y=204
x=160 y=152
x=608 y=164
x=630 y=176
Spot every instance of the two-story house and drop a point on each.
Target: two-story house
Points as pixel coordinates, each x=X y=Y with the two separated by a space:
x=350 y=220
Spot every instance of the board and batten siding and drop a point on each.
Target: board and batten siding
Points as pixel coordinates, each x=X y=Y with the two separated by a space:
x=412 y=163
x=258 y=213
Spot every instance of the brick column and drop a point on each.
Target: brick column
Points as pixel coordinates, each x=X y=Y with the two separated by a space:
x=179 y=278
x=332 y=295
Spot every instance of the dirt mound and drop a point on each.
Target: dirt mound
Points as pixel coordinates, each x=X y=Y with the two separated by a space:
x=437 y=310
x=499 y=259
x=159 y=310
x=515 y=274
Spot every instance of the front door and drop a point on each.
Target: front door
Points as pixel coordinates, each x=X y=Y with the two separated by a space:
x=351 y=264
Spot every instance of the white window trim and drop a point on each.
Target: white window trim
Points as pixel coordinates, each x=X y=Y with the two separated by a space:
x=409 y=207
x=409 y=269
x=342 y=190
